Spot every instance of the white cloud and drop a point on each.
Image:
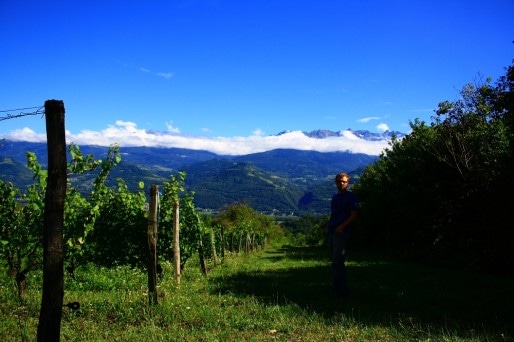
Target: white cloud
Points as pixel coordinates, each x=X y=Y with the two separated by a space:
x=368 y=119
x=382 y=127
x=25 y=134
x=349 y=135
x=258 y=132
x=171 y=128
x=165 y=75
x=128 y=134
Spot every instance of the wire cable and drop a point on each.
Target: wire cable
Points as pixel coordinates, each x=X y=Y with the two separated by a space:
x=21 y=112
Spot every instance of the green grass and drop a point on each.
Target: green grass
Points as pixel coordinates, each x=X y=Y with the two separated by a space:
x=280 y=294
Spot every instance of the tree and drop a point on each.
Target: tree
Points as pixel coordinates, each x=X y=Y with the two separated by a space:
x=443 y=193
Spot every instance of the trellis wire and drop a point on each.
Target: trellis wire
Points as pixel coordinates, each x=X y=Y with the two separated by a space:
x=21 y=112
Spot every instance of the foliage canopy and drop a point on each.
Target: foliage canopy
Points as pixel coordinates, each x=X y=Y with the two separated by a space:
x=444 y=192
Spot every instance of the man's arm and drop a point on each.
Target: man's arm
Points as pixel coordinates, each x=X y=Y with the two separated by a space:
x=353 y=216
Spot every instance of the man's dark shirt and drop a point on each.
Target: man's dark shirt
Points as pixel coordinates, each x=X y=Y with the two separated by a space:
x=341 y=207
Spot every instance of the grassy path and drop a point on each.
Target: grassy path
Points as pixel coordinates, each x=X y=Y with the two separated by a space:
x=398 y=300
x=280 y=294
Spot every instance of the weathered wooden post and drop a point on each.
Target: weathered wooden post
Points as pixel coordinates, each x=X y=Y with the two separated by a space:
x=222 y=242
x=152 y=244
x=49 y=327
x=248 y=245
x=201 y=255
x=176 y=239
x=213 y=246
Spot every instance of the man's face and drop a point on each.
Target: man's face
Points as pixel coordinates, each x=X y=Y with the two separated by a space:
x=342 y=184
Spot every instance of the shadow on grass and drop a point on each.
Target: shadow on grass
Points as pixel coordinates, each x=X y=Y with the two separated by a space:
x=390 y=293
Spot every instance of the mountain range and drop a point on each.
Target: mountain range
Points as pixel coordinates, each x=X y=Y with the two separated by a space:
x=282 y=181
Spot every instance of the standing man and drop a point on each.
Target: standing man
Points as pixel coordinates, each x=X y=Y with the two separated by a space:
x=343 y=212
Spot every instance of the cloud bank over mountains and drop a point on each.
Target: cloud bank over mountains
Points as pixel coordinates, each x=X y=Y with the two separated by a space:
x=128 y=134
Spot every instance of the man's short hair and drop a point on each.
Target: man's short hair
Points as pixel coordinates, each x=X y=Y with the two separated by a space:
x=341 y=175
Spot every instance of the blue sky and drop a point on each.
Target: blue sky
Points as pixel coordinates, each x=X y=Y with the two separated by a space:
x=233 y=73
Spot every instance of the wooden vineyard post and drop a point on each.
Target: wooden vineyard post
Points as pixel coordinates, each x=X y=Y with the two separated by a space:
x=176 y=239
x=248 y=242
x=213 y=246
x=152 y=244
x=222 y=242
x=49 y=326
x=201 y=255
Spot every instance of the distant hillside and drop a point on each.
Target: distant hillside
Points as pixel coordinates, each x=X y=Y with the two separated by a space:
x=218 y=183
x=305 y=167
x=281 y=181
x=15 y=172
